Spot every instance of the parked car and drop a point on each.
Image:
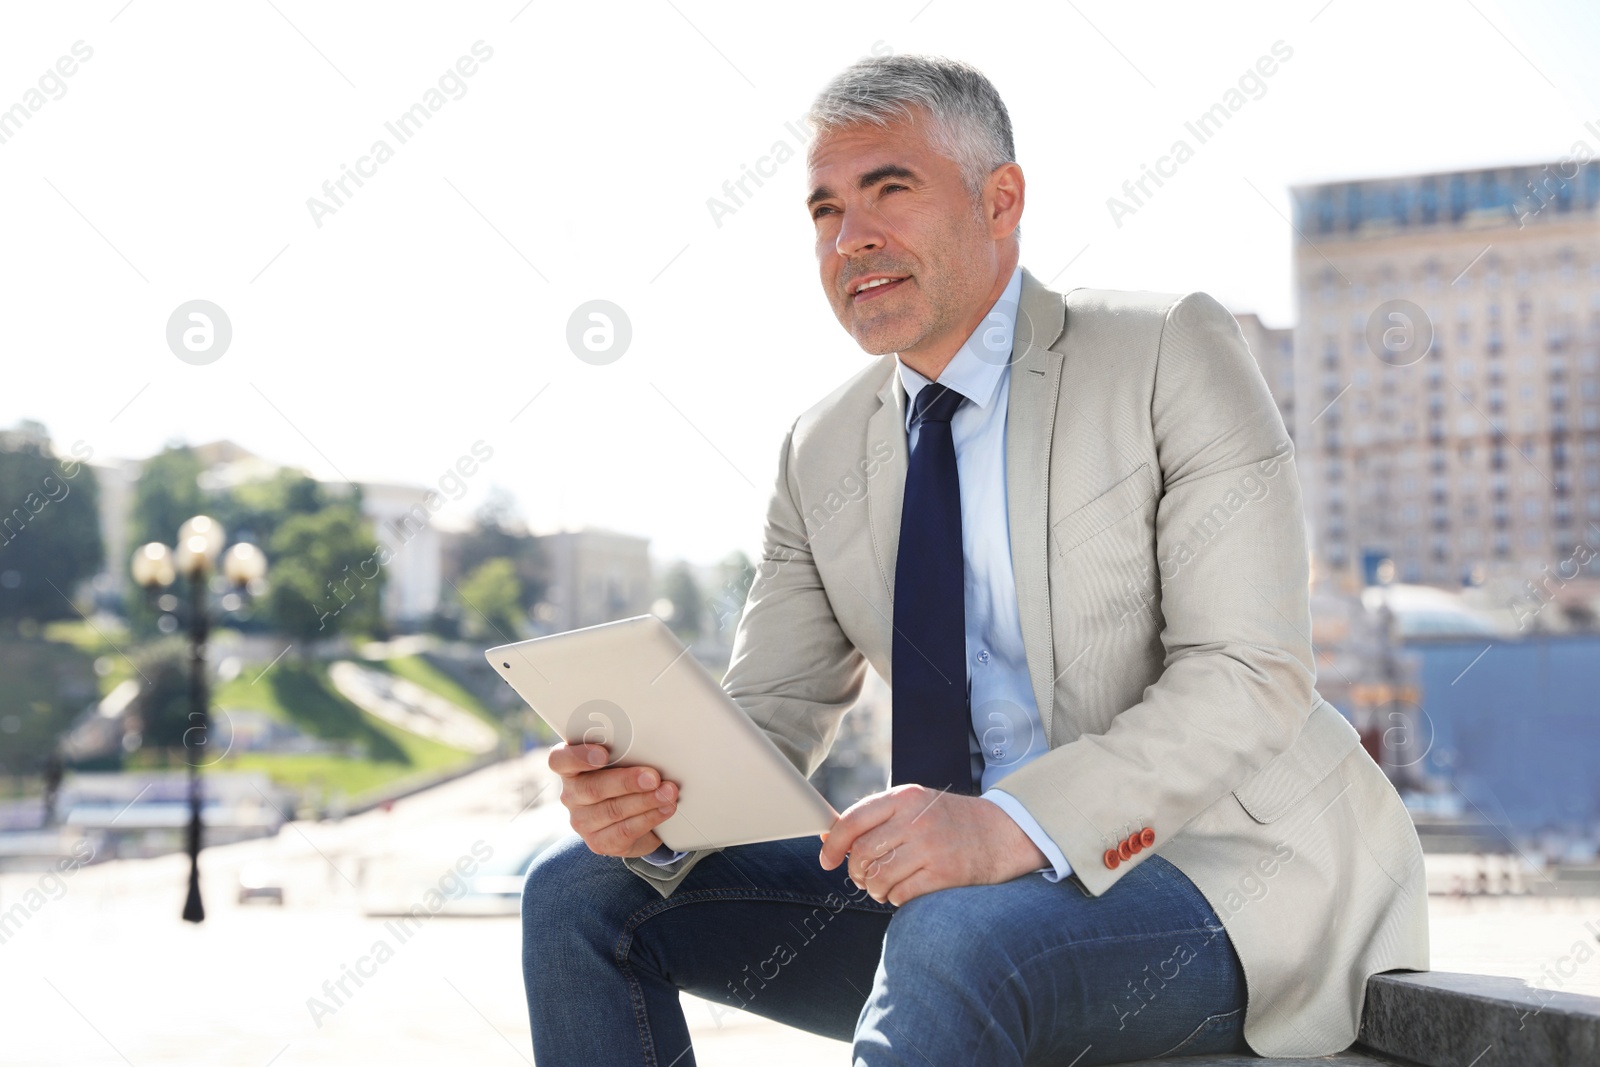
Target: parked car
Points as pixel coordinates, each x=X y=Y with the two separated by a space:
x=260 y=881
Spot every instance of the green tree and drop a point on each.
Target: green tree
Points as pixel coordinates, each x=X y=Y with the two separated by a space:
x=680 y=587
x=497 y=534
x=44 y=687
x=49 y=527
x=164 y=704
x=167 y=496
x=325 y=575
x=254 y=511
x=492 y=601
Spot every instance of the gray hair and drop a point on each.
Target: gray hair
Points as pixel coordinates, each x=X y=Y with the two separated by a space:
x=969 y=123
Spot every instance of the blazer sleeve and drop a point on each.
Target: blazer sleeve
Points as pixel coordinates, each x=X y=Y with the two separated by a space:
x=793 y=671
x=1238 y=673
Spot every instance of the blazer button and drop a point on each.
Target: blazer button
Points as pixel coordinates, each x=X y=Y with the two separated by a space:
x=1112 y=858
x=1124 y=850
x=1147 y=836
x=1135 y=842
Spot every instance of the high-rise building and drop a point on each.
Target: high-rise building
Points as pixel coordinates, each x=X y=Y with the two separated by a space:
x=1447 y=366
x=1273 y=348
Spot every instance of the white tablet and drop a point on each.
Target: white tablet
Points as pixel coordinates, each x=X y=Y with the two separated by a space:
x=632 y=686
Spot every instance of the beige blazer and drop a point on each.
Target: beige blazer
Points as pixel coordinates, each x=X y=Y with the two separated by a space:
x=1161 y=565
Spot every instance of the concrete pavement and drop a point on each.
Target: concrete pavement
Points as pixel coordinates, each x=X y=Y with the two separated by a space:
x=99 y=969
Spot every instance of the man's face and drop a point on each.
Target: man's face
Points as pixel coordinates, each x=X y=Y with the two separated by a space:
x=887 y=205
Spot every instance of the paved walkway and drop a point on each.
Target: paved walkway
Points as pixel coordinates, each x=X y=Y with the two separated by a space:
x=99 y=969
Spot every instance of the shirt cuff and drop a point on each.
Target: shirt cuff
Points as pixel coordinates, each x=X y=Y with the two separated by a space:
x=663 y=856
x=1030 y=826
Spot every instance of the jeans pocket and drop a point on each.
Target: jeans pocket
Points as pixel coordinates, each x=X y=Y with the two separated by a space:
x=1215 y=1034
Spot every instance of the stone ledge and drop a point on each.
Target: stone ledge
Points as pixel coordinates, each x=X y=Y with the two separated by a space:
x=1440 y=1019
x=1351 y=1058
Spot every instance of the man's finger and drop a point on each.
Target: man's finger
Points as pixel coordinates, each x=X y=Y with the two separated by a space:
x=600 y=785
x=857 y=819
x=917 y=884
x=589 y=819
x=873 y=850
x=619 y=837
x=907 y=865
x=568 y=760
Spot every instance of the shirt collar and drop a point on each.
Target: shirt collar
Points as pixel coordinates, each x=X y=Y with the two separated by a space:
x=978 y=366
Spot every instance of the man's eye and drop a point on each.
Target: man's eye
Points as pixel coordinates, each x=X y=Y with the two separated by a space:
x=893 y=185
x=818 y=213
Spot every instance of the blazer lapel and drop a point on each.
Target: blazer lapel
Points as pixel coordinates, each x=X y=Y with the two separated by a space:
x=886 y=489
x=1030 y=428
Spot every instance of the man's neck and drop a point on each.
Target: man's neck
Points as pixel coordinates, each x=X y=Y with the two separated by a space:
x=930 y=358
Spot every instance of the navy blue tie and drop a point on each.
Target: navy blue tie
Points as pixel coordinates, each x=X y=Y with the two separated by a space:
x=931 y=719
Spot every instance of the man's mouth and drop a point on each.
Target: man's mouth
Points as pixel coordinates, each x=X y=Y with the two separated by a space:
x=874 y=285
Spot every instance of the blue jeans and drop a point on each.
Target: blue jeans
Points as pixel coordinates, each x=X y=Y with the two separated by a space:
x=1024 y=972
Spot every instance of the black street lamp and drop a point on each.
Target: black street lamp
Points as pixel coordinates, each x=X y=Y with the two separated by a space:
x=155 y=566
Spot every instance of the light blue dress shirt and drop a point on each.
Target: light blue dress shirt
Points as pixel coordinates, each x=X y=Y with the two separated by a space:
x=1007 y=731
x=1005 y=717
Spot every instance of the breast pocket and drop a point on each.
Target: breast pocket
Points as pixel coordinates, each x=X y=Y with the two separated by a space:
x=1104 y=510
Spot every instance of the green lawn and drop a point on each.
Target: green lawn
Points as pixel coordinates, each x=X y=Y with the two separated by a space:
x=78 y=632
x=302 y=694
x=292 y=691
x=96 y=641
x=310 y=776
x=425 y=674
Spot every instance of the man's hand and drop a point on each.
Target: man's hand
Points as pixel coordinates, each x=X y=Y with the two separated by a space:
x=614 y=809
x=912 y=840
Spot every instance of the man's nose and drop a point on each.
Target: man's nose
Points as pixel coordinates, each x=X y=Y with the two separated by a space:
x=861 y=231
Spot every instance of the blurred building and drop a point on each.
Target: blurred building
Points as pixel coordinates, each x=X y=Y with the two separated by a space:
x=595 y=576
x=1447 y=360
x=1514 y=725
x=117 y=480
x=400 y=521
x=1274 y=351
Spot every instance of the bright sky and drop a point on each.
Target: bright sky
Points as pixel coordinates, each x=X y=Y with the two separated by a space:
x=430 y=310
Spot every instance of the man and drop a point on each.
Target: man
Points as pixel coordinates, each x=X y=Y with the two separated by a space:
x=1122 y=823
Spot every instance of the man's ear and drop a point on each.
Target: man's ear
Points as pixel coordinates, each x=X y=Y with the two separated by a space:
x=1004 y=193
